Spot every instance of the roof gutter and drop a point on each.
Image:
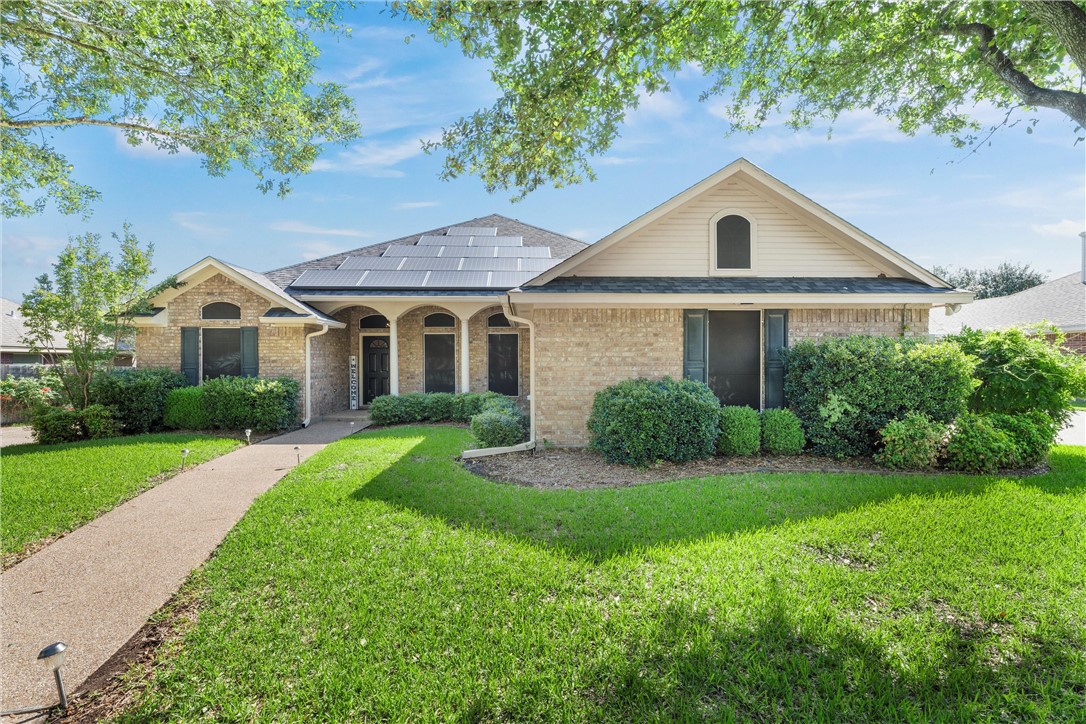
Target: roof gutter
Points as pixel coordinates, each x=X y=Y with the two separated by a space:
x=309 y=372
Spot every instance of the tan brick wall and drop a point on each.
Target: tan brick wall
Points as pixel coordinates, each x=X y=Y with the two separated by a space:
x=580 y=351
x=814 y=324
x=1073 y=341
x=329 y=371
x=479 y=351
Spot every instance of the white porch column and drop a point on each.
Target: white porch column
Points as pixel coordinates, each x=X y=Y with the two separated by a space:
x=465 y=366
x=393 y=357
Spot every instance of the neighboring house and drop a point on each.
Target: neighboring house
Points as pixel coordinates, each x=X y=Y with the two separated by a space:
x=15 y=351
x=1060 y=302
x=710 y=285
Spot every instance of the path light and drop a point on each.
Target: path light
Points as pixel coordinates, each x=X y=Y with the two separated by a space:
x=51 y=657
x=184 y=454
x=248 y=434
x=298 y=452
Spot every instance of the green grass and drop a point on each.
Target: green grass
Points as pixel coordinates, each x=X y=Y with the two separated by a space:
x=52 y=489
x=380 y=580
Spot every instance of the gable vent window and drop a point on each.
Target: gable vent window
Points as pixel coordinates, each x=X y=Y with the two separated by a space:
x=221 y=310
x=733 y=243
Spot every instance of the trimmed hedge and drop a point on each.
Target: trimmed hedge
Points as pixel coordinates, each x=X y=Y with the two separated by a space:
x=137 y=397
x=412 y=407
x=782 y=433
x=52 y=426
x=914 y=442
x=185 y=410
x=637 y=422
x=440 y=407
x=498 y=428
x=740 y=431
x=845 y=390
x=235 y=403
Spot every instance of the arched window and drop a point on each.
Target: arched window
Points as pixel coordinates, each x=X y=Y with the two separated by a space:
x=373 y=321
x=221 y=310
x=497 y=320
x=733 y=242
x=439 y=319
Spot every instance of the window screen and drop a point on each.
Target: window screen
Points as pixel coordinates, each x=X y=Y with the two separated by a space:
x=733 y=243
x=503 y=364
x=440 y=363
x=222 y=353
x=221 y=310
x=439 y=319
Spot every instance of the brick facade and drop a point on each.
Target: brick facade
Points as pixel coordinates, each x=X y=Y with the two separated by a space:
x=814 y=324
x=1073 y=341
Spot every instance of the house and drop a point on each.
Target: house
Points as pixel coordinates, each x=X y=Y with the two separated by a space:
x=16 y=356
x=709 y=285
x=1060 y=303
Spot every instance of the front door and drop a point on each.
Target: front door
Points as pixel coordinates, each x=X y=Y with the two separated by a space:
x=375 y=366
x=734 y=360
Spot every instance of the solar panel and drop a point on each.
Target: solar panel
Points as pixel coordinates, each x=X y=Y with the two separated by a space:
x=427 y=264
x=408 y=250
x=538 y=252
x=445 y=240
x=328 y=278
x=537 y=265
x=491 y=264
x=472 y=231
x=457 y=280
x=498 y=241
x=371 y=262
x=470 y=252
x=394 y=279
x=508 y=280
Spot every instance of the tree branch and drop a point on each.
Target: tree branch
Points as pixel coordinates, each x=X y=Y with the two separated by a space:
x=84 y=121
x=1068 y=23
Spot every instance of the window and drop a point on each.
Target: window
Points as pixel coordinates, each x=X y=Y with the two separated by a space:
x=222 y=353
x=732 y=243
x=373 y=321
x=440 y=361
x=497 y=320
x=221 y=310
x=503 y=365
x=439 y=319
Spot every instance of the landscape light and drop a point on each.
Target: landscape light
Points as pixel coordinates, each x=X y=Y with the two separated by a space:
x=184 y=454
x=298 y=452
x=248 y=434
x=52 y=658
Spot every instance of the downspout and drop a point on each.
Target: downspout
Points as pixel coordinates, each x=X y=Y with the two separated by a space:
x=309 y=373
x=507 y=307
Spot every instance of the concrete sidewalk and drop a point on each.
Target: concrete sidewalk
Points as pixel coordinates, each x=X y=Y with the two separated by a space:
x=1075 y=432
x=95 y=588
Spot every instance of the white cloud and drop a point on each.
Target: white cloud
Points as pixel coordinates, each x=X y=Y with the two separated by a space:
x=145 y=149
x=300 y=227
x=1065 y=228
x=315 y=249
x=372 y=158
x=408 y=205
x=581 y=234
x=850 y=127
x=31 y=251
x=666 y=105
x=616 y=160
x=861 y=201
x=197 y=222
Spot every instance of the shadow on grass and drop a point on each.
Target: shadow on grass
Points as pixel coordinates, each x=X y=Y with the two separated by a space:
x=173 y=438
x=601 y=523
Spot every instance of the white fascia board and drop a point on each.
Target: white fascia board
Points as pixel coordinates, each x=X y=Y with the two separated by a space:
x=767 y=301
x=301 y=322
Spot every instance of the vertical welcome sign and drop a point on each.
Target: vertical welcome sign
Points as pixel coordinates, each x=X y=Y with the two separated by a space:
x=354 y=381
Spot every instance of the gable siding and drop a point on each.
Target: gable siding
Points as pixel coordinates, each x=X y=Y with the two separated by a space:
x=677 y=244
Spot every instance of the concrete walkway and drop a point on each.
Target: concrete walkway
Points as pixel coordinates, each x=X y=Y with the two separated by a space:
x=1075 y=434
x=95 y=588
x=20 y=435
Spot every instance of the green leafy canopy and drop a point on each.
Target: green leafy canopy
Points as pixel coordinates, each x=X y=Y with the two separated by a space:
x=231 y=81
x=569 y=73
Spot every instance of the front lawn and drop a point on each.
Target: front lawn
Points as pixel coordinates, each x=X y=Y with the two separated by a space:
x=52 y=489
x=381 y=580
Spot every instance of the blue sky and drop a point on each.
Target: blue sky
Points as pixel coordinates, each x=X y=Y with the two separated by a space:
x=1022 y=199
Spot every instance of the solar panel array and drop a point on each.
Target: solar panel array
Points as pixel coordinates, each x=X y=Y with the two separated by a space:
x=465 y=258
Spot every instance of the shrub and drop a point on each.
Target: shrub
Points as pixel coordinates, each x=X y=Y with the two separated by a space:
x=640 y=421
x=1032 y=434
x=413 y=407
x=912 y=443
x=782 y=433
x=386 y=410
x=52 y=426
x=440 y=406
x=976 y=445
x=497 y=428
x=466 y=406
x=846 y=390
x=495 y=401
x=185 y=409
x=740 y=431
x=1019 y=373
x=137 y=397
x=28 y=392
x=96 y=421
x=234 y=403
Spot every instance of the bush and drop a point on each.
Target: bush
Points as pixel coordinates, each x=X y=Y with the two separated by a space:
x=466 y=406
x=52 y=426
x=782 y=433
x=185 y=409
x=386 y=410
x=497 y=428
x=440 y=406
x=499 y=403
x=976 y=445
x=96 y=421
x=235 y=403
x=1032 y=434
x=137 y=397
x=914 y=442
x=1019 y=373
x=28 y=392
x=640 y=421
x=740 y=431
x=846 y=390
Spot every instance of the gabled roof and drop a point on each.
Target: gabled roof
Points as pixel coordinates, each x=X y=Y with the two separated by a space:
x=1061 y=302
x=533 y=236
x=12 y=330
x=863 y=244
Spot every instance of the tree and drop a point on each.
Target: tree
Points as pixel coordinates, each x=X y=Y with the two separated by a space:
x=570 y=72
x=91 y=301
x=230 y=81
x=1005 y=279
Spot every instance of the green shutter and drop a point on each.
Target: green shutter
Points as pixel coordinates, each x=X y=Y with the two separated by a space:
x=776 y=339
x=695 y=344
x=190 y=354
x=250 y=365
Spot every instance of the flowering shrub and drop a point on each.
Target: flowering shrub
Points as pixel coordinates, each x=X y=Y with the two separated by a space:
x=28 y=392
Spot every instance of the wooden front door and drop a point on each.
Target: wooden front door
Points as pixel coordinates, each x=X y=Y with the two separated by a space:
x=375 y=366
x=734 y=359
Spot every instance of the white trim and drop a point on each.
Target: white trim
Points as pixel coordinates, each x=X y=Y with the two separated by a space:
x=309 y=373
x=511 y=333
x=507 y=306
x=488 y=451
x=394 y=356
x=737 y=271
x=701 y=301
x=465 y=356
